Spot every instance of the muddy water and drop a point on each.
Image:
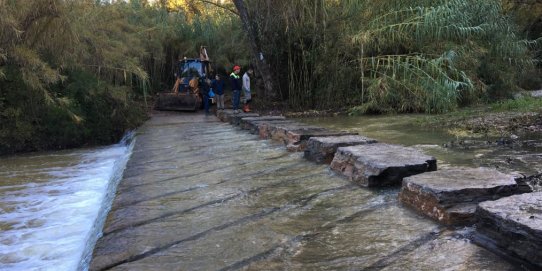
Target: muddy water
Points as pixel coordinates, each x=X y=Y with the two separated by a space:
x=202 y=195
x=523 y=156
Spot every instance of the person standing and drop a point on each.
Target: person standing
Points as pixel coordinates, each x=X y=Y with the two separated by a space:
x=246 y=89
x=236 y=86
x=218 y=88
x=204 y=88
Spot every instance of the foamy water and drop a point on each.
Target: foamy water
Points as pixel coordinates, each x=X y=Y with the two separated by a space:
x=52 y=206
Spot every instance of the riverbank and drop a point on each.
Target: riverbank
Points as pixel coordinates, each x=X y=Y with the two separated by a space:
x=505 y=119
x=500 y=120
x=96 y=123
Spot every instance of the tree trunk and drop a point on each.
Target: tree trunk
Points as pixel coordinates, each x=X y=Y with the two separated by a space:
x=257 y=53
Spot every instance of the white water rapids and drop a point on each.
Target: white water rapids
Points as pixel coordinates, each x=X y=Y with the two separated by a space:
x=53 y=205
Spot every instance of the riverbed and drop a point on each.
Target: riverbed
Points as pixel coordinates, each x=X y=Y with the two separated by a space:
x=198 y=194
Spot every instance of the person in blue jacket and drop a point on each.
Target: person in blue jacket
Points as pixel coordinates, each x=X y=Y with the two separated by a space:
x=236 y=86
x=218 y=88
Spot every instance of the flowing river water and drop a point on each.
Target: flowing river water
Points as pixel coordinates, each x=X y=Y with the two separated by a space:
x=53 y=205
x=198 y=194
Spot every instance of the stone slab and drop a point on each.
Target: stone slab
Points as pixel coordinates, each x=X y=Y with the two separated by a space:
x=450 y=196
x=235 y=119
x=223 y=115
x=322 y=149
x=281 y=132
x=515 y=225
x=227 y=115
x=297 y=139
x=276 y=130
x=254 y=127
x=246 y=123
x=381 y=164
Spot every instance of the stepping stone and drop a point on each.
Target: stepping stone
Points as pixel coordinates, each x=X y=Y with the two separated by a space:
x=228 y=115
x=322 y=149
x=235 y=119
x=223 y=115
x=296 y=140
x=281 y=132
x=276 y=130
x=514 y=224
x=248 y=122
x=261 y=128
x=450 y=196
x=380 y=164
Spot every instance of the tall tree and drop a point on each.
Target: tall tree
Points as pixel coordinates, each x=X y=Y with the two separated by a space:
x=259 y=58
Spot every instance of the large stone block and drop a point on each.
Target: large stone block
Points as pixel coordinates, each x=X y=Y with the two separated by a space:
x=248 y=122
x=322 y=149
x=261 y=128
x=224 y=115
x=450 y=196
x=380 y=164
x=296 y=140
x=514 y=224
x=277 y=130
x=235 y=119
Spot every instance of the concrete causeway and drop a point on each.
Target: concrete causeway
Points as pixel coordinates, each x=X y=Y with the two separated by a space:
x=200 y=194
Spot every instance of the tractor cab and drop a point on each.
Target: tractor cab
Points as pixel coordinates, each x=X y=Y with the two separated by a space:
x=182 y=97
x=188 y=69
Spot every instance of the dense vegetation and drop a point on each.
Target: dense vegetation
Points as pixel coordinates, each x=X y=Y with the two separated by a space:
x=82 y=72
x=392 y=55
x=75 y=72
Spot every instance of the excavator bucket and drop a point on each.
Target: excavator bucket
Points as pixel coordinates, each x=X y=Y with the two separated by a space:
x=178 y=102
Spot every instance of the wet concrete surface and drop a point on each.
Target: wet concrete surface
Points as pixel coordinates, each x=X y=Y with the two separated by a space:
x=199 y=194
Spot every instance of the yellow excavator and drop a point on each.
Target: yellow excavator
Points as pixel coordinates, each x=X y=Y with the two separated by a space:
x=185 y=94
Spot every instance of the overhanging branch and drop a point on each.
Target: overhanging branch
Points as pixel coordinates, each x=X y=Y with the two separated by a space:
x=220 y=6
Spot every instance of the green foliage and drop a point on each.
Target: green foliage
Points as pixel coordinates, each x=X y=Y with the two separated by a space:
x=391 y=55
x=431 y=54
x=81 y=71
x=90 y=112
x=68 y=71
x=523 y=104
